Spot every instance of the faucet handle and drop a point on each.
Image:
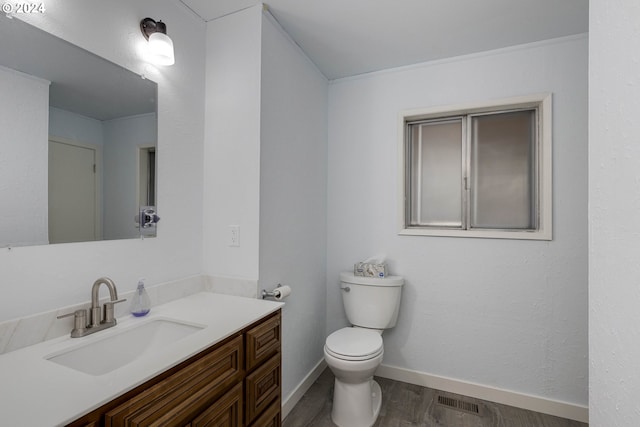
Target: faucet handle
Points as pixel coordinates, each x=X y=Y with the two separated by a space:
x=77 y=313
x=108 y=310
x=79 y=321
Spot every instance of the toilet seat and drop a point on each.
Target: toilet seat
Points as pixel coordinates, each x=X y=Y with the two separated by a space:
x=354 y=344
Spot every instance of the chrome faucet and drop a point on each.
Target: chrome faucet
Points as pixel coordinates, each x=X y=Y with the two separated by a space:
x=96 y=318
x=100 y=317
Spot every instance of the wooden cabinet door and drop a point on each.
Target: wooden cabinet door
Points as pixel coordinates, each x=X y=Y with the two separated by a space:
x=262 y=387
x=270 y=417
x=180 y=397
x=225 y=412
x=263 y=341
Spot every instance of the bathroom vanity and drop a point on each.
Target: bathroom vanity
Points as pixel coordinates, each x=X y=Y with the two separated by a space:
x=226 y=371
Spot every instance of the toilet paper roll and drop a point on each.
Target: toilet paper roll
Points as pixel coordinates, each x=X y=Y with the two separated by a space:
x=281 y=292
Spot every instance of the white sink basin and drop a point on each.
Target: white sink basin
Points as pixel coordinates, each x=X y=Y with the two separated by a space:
x=123 y=347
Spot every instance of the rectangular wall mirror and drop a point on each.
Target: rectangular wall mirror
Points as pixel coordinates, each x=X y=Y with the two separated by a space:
x=78 y=145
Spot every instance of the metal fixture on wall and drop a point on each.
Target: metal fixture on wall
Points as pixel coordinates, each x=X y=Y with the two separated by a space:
x=147 y=219
x=160 y=49
x=279 y=293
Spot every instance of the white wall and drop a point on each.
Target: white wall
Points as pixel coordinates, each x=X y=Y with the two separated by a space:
x=68 y=125
x=293 y=190
x=39 y=278
x=265 y=170
x=501 y=313
x=232 y=143
x=614 y=246
x=24 y=122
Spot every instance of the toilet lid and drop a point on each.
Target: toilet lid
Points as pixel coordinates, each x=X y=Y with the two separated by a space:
x=354 y=344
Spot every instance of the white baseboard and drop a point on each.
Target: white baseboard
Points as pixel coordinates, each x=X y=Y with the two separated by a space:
x=505 y=397
x=290 y=401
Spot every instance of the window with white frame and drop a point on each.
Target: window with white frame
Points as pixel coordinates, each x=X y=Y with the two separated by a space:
x=479 y=170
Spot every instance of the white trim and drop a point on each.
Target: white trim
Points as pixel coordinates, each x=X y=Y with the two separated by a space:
x=294 y=397
x=134 y=117
x=485 y=234
x=523 y=101
x=40 y=80
x=463 y=57
x=545 y=154
x=557 y=408
x=139 y=180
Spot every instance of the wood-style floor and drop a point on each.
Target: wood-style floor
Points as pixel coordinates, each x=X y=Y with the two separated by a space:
x=405 y=405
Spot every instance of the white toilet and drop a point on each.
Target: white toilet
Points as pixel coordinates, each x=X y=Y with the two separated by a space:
x=354 y=353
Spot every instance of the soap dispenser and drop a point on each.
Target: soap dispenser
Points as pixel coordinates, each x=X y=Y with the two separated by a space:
x=140 y=304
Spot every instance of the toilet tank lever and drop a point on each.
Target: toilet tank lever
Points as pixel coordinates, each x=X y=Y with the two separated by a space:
x=346 y=289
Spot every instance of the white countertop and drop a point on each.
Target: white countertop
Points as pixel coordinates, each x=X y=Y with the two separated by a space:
x=37 y=392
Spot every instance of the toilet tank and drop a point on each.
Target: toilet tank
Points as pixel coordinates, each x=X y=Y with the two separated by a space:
x=371 y=302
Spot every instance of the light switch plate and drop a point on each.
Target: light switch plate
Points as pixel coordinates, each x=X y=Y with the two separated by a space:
x=234 y=235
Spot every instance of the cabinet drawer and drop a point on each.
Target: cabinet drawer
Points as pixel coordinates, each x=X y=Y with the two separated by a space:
x=262 y=387
x=226 y=411
x=270 y=417
x=180 y=397
x=263 y=341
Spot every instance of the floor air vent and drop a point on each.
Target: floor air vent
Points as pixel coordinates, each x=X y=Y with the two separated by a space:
x=459 y=404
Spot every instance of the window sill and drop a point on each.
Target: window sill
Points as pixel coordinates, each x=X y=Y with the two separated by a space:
x=484 y=234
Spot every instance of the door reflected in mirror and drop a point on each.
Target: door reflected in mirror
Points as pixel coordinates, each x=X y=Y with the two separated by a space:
x=74 y=192
x=79 y=143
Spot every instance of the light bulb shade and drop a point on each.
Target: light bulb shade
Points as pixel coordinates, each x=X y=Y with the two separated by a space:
x=161 y=49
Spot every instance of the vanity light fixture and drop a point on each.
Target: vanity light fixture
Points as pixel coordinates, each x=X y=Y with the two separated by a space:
x=160 y=47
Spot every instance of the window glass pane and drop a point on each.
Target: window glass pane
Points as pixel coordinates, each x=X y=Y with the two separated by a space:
x=503 y=170
x=436 y=173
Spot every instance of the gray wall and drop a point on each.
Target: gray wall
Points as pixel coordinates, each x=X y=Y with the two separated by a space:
x=266 y=166
x=24 y=122
x=614 y=202
x=293 y=191
x=506 y=314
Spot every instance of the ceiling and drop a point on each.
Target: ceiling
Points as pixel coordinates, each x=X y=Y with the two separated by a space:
x=349 y=37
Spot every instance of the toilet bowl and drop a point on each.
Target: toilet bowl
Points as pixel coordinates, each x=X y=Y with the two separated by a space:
x=353 y=355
